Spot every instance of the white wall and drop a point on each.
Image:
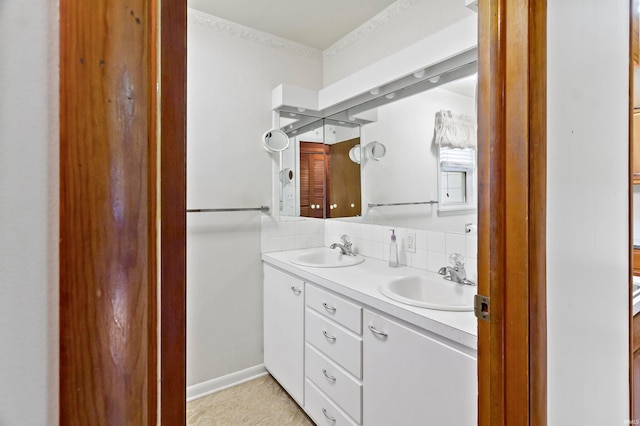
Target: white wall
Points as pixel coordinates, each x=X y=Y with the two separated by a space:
x=402 y=24
x=29 y=182
x=588 y=181
x=230 y=78
x=409 y=170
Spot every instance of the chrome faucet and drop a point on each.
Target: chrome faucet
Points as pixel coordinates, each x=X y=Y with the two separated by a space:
x=345 y=247
x=456 y=272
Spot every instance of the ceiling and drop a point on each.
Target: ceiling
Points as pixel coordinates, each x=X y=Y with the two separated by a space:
x=314 y=23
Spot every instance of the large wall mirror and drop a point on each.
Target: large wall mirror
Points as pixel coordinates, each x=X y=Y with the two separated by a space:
x=320 y=173
x=400 y=155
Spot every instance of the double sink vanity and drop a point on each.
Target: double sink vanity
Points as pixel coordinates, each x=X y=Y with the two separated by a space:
x=354 y=341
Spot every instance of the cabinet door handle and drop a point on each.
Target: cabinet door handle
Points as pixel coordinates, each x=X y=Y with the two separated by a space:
x=330 y=378
x=297 y=291
x=331 y=419
x=328 y=308
x=378 y=332
x=331 y=338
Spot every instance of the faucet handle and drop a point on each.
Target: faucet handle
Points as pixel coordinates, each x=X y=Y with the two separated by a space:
x=345 y=239
x=456 y=260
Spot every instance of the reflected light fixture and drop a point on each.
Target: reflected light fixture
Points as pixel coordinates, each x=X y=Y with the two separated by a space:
x=390 y=95
x=302 y=109
x=418 y=74
x=434 y=79
x=375 y=91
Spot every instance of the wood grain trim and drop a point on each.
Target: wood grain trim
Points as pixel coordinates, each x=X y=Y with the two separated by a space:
x=173 y=207
x=538 y=212
x=491 y=79
x=106 y=212
x=633 y=330
x=512 y=211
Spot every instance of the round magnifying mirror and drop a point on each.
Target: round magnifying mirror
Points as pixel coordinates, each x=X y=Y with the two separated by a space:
x=376 y=150
x=275 y=140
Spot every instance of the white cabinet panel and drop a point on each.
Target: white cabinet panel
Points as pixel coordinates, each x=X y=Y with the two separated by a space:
x=334 y=341
x=335 y=307
x=284 y=330
x=336 y=383
x=413 y=379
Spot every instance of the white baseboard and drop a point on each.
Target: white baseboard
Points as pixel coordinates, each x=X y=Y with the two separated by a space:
x=214 y=385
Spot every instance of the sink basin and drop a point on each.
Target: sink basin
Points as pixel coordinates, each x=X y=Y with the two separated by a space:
x=326 y=258
x=432 y=293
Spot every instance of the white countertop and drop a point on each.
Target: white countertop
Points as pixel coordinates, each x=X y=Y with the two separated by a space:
x=361 y=283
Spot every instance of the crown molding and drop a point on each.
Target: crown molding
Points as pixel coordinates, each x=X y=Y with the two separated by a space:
x=368 y=27
x=250 y=34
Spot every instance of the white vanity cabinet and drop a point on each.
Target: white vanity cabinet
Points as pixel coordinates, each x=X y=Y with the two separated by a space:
x=284 y=330
x=347 y=363
x=411 y=378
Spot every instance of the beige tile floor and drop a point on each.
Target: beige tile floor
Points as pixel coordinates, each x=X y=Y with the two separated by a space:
x=261 y=401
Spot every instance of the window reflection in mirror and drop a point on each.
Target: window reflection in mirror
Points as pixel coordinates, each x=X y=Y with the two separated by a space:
x=416 y=169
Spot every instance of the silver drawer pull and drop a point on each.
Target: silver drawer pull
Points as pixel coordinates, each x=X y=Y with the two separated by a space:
x=378 y=332
x=331 y=419
x=332 y=338
x=297 y=291
x=329 y=308
x=331 y=378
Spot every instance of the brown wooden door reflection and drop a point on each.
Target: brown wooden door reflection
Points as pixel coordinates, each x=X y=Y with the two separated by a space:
x=313 y=163
x=343 y=193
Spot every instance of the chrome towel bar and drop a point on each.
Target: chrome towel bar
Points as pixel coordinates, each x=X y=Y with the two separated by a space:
x=402 y=204
x=263 y=209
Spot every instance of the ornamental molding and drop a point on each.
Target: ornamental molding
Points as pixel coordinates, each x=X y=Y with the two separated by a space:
x=250 y=34
x=368 y=27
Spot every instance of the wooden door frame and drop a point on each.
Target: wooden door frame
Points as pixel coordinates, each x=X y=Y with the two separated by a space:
x=98 y=61
x=634 y=54
x=122 y=211
x=512 y=369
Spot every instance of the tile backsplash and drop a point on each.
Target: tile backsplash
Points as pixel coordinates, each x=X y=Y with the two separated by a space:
x=291 y=233
x=432 y=247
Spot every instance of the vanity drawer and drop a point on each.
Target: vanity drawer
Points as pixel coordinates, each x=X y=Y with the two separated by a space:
x=336 y=342
x=322 y=410
x=335 y=307
x=335 y=382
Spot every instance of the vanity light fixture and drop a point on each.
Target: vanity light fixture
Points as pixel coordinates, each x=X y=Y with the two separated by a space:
x=292 y=114
x=294 y=131
x=435 y=79
x=418 y=74
x=375 y=91
x=390 y=95
x=340 y=122
x=301 y=109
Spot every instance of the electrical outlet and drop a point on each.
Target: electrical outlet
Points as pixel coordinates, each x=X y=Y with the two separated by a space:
x=410 y=242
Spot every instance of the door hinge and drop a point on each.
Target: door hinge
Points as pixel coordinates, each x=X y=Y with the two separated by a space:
x=482 y=307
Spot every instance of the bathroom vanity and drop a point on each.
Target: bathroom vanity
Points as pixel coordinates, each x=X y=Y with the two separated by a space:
x=348 y=355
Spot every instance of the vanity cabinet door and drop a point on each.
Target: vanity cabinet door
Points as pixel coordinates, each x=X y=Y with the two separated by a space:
x=284 y=330
x=413 y=379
